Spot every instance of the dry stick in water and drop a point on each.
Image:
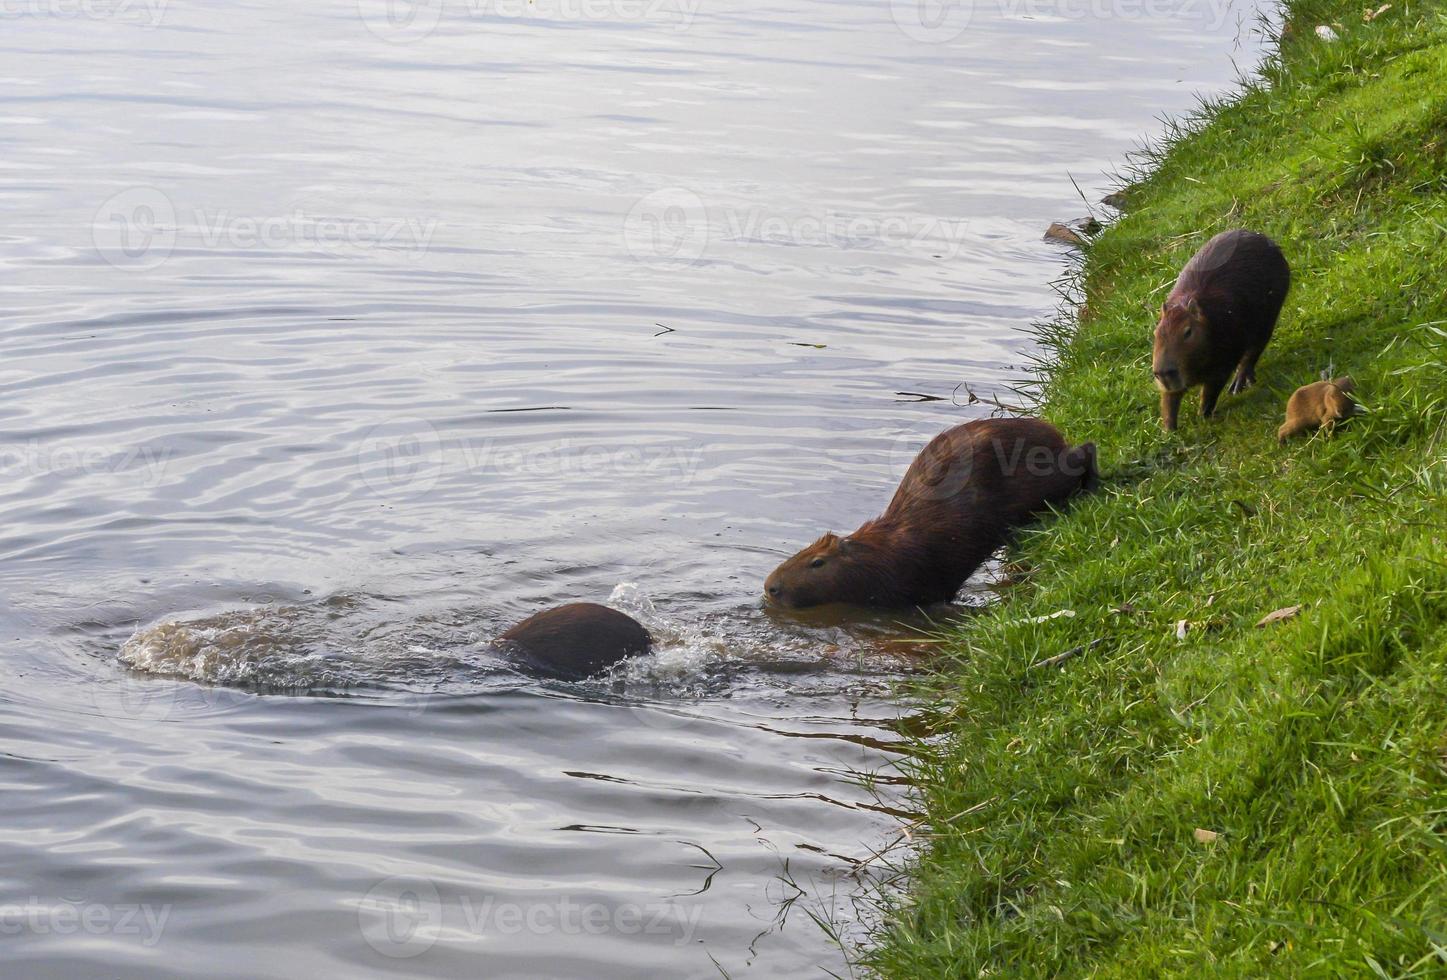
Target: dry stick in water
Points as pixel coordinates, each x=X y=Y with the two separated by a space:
x=988 y=400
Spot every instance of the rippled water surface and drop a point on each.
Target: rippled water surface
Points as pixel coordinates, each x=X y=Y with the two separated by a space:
x=334 y=338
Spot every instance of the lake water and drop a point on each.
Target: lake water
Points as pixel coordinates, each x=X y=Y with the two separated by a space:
x=336 y=337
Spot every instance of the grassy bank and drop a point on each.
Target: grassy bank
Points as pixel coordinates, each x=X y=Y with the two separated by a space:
x=1242 y=799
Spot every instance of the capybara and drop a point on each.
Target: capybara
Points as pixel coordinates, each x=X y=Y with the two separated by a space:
x=959 y=500
x=575 y=641
x=1318 y=405
x=1218 y=319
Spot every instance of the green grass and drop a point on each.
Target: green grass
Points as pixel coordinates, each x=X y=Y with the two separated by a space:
x=1062 y=806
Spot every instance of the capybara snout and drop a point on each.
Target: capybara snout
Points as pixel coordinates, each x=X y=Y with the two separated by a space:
x=1179 y=335
x=958 y=501
x=1169 y=378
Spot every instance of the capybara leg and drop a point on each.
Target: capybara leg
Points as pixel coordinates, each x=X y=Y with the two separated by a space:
x=1170 y=409
x=1290 y=429
x=1246 y=372
x=1210 y=394
x=1082 y=462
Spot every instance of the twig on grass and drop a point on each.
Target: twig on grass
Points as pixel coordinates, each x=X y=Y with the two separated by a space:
x=1070 y=654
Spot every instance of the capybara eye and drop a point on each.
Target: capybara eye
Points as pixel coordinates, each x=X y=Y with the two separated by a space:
x=817 y=563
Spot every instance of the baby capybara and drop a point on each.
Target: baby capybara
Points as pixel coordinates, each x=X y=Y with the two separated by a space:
x=1218 y=319
x=955 y=507
x=575 y=641
x=1319 y=405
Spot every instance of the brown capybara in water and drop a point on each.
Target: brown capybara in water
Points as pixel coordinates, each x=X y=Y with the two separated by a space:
x=1218 y=319
x=1318 y=405
x=955 y=507
x=575 y=641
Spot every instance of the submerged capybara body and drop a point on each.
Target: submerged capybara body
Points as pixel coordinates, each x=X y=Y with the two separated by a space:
x=1318 y=405
x=955 y=507
x=575 y=641
x=1218 y=319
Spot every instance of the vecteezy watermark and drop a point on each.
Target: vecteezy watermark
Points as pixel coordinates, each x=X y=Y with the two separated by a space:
x=136 y=699
x=1213 y=13
x=402 y=917
x=135 y=229
x=36 y=458
x=406 y=458
x=400 y=21
x=942 y=21
x=139 y=228
x=932 y=21
x=400 y=457
x=141 y=699
x=315 y=232
x=675 y=224
x=148 y=13
x=670 y=224
x=38 y=917
x=409 y=21
x=939 y=467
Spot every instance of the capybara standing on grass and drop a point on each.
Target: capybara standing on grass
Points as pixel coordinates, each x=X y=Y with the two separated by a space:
x=1316 y=406
x=1218 y=319
x=955 y=507
x=575 y=641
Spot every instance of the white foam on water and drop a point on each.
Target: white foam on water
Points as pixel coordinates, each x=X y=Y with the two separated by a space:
x=195 y=651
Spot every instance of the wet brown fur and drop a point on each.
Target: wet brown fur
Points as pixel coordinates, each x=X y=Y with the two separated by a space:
x=1319 y=405
x=955 y=507
x=1218 y=319
x=575 y=641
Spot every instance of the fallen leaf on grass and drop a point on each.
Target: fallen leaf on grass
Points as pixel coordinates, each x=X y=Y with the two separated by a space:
x=1205 y=836
x=1286 y=612
x=1372 y=15
x=1055 y=615
x=1181 y=628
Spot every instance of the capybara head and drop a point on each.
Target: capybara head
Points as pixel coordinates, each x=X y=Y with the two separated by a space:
x=829 y=570
x=1182 y=338
x=576 y=640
